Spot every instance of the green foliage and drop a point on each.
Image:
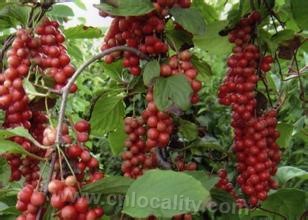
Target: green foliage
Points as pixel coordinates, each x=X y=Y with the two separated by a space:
x=108 y=113
x=174 y=90
x=82 y=32
x=165 y=189
x=190 y=19
x=127 y=7
x=150 y=72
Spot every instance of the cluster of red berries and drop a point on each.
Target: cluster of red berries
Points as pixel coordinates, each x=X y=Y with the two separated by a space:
x=71 y=206
x=138 y=157
x=225 y=184
x=159 y=124
x=257 y=153
x=13 y=98
x=181 y=64
x=140 y=32
x=137 y=32
x=29 y=202
x=181 y=165
x=52 y=56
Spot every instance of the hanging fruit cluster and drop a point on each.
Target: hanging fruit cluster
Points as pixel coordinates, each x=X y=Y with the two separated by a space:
x=42 y=51
x=257 y=153
x=140 y=32
x=154 y=128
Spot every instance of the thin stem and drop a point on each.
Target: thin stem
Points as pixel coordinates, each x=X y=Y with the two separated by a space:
x=6 y=46
x=161 y=161
x=45 y=190
x=66 y=89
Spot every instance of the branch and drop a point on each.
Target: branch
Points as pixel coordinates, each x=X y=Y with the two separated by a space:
x=66 y=89
x=65 y=92
x=161 y=160
x=45 y=190
x=6 y=46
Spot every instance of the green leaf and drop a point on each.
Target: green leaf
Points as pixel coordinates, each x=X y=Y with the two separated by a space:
x=286 y=173
x=212 y=42
x=80 y=4
x=162 y=193
x=207 y=143
x=204 y=69
x=127 y=7
x=107 y=114
x=113 y=70
x=18 y=131
x=151 y=71
x=287 y=202
x=116 y=139
x=299 y=10
x=282 y=36
x=188 y=130
x=12 y=147
x=82 y=31
x=177 y=38
x=12 y=14
x=207 y=181
x=74 y=51
x=109 y=185
x=190 y=19
x=172 y=90
x=60 y=10
x=285 y=131
x=209 y=13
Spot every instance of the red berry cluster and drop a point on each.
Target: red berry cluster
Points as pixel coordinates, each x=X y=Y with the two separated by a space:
x=159 y=124
x=181 y=64
x=257 y=153
x=79 y=155
x=182 y=166
x=138 y=157
x=64 y=197
x=29 y=202
x=140 y=32
x=137 y=32
x=52 y=56
x=225 y=184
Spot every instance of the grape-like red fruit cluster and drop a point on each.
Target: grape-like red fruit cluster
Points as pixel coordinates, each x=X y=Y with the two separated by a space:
x=181 y=64
x=159 y=124
x=180 y=165
x=225 y=184
x=52 y=55
x=255 y=145
x=138 y=32
x=82 y=129
x=71 y=206
x=29 y=202
x=137 y=157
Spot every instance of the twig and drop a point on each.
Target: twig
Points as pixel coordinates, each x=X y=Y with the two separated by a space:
x=161 y=161
x=6 y=46
x=66 y=88
x=49 y=90
x=45 y=190
x=301 y=85
x=267 y=90
x=65 y=92
x=272 y=13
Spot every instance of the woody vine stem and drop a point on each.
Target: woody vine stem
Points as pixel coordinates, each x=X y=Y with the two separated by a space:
x=64 y=96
